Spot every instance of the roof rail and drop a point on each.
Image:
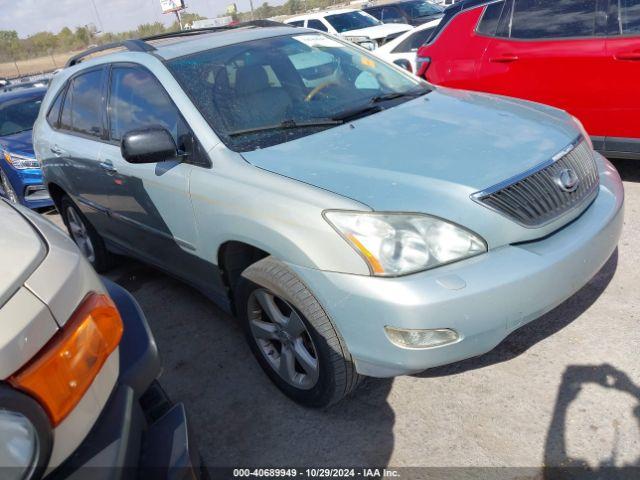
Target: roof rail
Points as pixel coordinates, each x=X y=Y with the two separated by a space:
x=141 y=45
x=200 y=31
x=131 y=45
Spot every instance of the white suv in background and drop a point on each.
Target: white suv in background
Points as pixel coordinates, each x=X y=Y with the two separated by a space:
x=351 y=24
x=403 y=51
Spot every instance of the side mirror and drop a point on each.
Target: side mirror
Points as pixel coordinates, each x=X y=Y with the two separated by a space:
x=404 y=63
x=148 y=145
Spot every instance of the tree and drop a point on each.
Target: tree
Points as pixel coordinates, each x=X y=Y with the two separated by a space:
x=264 y=11
x=82 y=36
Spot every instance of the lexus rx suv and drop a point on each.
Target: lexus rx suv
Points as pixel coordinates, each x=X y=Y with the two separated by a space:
x=356 y=219
x=581 y=56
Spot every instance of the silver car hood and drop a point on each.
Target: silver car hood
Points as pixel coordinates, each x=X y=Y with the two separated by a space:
x=21 y=251
x=429 y=155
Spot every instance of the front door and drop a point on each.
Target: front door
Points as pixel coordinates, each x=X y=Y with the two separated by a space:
x=623 y=75
x=151 y=207
x=552 y=52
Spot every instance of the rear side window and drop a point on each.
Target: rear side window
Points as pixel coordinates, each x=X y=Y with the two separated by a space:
x=536 y=19
x=297 y=23
x=490 y=18
x=629 y=17
x=82 y=111
x=54 y=112
x=413 y=42
x=317 y=25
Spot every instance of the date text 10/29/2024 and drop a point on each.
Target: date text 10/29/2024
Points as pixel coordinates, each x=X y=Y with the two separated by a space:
x=305 y=473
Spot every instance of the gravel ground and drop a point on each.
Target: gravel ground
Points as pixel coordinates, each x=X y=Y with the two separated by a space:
x=562 y=390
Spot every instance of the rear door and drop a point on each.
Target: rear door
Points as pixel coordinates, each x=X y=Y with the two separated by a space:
x=623 y=74
x=553 y=52
x=151 y=205
x=77 y=144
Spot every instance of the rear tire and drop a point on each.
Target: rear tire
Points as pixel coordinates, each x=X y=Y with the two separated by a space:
x=9 y=192
x=302 y=336
x=85 y=236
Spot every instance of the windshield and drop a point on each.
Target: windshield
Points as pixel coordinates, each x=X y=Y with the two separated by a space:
x=273 y=90
x=421 y=9
x=343 y=22
x=18 y=115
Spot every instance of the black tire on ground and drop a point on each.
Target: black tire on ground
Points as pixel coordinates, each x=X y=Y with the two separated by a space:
x=102 y=260
x=337 y=376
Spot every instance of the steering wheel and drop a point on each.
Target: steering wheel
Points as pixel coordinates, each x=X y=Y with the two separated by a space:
x=318 y=89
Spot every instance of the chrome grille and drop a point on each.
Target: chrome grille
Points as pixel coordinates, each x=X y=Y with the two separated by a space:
x=537 y=198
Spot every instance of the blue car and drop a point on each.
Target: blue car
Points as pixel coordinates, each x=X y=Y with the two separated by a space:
x=20 y=173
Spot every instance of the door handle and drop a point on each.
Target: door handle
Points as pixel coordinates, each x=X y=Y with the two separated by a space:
x=633 y=56
x=57 y=151
x=108 y=167
x=506 y=58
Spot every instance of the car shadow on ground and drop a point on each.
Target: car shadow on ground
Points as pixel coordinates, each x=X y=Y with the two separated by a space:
x=527 y=336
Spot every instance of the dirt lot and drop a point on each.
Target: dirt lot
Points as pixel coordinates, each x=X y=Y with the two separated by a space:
x=562 y=390
x=34 y=66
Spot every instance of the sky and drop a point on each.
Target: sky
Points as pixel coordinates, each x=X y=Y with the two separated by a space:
x=30 y=16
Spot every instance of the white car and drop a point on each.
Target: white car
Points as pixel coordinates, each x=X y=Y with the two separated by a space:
x=403 y=51
x=353 y=25
x=78 y=365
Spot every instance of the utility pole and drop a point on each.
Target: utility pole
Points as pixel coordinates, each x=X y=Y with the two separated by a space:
x=251 y=4
x=177 y=12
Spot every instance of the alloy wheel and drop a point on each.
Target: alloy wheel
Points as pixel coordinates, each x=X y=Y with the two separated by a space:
x=283 y=339
x=80 y=234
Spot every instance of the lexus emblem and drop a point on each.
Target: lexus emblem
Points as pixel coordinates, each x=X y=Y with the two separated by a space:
x=568 y=180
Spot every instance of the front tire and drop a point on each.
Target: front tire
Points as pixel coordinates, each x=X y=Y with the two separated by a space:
x=85 y=236
x=291 y=336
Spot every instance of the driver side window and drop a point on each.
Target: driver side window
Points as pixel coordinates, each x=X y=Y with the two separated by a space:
x=137 y=101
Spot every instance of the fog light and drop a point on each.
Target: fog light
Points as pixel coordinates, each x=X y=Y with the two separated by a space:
x=409 y=338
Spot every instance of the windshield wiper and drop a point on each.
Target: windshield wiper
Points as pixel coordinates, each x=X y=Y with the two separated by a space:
x=372 y=106
x=287 y=125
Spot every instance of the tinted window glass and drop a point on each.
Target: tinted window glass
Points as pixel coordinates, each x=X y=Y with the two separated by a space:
x=414 y=41
x=421 y=9
x=375 y=12
x=392 y=15
x=54 y=111
x=297 y=23
x=629 y=17
x=19 y=115
x=489 y=23
x=343 y=22
x=85 y=105
x=137 y=100
x=553 y=18
x=317 y=25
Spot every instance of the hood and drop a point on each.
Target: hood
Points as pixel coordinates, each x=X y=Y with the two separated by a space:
x=429 y=155
x=20 y=143
x=379 y=31
x=21 y=250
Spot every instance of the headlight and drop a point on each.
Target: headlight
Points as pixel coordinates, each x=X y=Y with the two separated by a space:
x=583 y=131
x=25 y=435
x=398 y=244
x=20 y=162
x=369 y=44
x=18 y=443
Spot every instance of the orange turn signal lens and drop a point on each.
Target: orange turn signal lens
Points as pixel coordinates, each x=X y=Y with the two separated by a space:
x=65 y=368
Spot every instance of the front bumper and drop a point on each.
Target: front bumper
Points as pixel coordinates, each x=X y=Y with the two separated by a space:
x=140 y=433
x=483 y=298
